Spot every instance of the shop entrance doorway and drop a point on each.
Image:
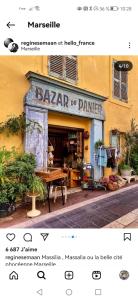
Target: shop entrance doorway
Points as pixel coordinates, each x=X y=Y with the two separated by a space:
x=67 y=145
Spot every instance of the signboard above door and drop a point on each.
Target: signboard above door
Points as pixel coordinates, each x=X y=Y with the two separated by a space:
x=52 y=95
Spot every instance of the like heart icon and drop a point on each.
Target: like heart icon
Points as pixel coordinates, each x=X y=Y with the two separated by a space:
x=10 y=236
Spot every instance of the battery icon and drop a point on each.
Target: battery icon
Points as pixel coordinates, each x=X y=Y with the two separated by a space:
x=114 y=8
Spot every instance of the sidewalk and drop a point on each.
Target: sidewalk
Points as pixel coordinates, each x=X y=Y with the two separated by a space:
x=129 y=220
x=75 y=196
x=112 y=210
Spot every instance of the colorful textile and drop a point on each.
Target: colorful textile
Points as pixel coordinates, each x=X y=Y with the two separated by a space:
x=102 y=157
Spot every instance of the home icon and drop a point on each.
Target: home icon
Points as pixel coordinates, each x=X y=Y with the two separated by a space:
x=13 y=276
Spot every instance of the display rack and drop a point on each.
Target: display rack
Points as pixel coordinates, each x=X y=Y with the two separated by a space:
x=76 y=143
x=75 y=178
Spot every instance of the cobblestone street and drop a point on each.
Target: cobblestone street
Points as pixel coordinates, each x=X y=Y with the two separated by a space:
x=118 y=211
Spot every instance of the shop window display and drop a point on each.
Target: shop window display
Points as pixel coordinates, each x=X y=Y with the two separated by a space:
x=68 y=152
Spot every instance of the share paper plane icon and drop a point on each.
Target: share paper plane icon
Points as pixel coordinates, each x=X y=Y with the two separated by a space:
x=44 y=235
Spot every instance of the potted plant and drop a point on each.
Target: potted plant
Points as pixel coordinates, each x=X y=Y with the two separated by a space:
x=134 y=159
x=4 y=203
x=84 y=185
x=84 y=182
x=125 y=169
x=20 y=171
x=16 y=170
x=36 y=186
x=7 y=199
x=130 y=138
x=130 y=145
x=7 y=188
x=36 y=189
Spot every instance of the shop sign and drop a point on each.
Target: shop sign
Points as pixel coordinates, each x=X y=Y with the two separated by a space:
x=62 y=100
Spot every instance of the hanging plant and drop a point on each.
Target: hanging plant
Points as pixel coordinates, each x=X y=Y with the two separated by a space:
x=98 y=144
x=19 y=125
x=115 y=131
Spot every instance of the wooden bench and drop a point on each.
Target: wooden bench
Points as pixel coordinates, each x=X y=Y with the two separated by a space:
x=129 y=178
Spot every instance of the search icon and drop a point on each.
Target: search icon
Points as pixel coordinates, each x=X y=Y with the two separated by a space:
x=41 y=275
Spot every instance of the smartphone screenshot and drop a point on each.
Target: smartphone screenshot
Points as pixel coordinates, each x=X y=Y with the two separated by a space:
x=68 y=150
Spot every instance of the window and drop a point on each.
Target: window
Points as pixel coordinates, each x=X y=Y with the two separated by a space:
x=63 y=67
x=115 y=141
x=120 y=84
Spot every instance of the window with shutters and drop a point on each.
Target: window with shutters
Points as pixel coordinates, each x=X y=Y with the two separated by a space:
x=63 y=67
x=115 y=140
x=120 y=84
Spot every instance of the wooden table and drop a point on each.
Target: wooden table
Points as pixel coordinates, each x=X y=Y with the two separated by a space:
x=48 y=180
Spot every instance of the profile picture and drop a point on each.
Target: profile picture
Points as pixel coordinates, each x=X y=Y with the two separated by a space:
x=11 y=45
x=7 y=42
x=124 y=275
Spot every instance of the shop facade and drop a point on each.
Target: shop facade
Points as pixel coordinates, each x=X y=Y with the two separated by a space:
x=98 y=105
x=72 y=119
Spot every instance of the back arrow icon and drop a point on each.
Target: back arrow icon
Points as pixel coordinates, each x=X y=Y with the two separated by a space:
x=9 y=25
x=40 y=292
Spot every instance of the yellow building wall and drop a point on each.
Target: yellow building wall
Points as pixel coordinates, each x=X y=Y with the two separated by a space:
x=13 y=87
x=94 y=74
x=118 y=113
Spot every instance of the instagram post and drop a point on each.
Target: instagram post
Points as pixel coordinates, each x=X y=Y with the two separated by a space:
x=68 y=150
x=69 y=141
